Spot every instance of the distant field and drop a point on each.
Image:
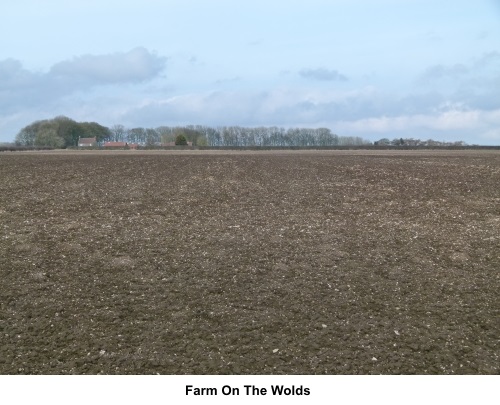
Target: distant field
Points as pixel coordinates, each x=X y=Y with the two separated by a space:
x=275 y=262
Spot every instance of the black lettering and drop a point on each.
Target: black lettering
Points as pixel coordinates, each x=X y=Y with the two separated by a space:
x=281 y=390
x=253 y=390
x=227 y=390
x=200 y=391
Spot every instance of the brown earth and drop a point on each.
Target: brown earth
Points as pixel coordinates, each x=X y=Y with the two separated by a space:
x=250 y=263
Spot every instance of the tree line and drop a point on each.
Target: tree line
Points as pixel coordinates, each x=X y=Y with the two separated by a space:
x=412 y=142
x=63 y=132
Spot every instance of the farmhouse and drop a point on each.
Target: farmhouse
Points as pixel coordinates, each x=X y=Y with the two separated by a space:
x=87 y=142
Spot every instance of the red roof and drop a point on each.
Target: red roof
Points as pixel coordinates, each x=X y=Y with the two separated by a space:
x=115 y=144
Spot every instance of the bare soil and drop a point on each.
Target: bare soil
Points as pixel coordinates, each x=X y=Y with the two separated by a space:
x=250 y=263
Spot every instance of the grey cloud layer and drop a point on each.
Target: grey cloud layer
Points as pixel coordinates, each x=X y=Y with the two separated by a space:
x=473 y=85
x=438 y=72
x=136 y=65
x=14 y=77
x=20 y=88
x=282 y=108
x=488 y=63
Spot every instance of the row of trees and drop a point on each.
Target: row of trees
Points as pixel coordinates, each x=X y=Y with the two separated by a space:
x=62 y=132
x=274 y=137
x=156 y=136
x=416 y=142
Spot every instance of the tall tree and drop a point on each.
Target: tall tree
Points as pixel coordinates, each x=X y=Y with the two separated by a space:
x=68 y=130
x=27 y=135
x=47 y=136
x=93 y=129
x=118 y=133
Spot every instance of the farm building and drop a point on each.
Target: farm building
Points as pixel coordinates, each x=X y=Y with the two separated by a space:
x=115 y=144
x=87 y=142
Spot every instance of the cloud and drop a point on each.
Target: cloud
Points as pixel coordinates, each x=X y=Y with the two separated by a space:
x=22 y=89
x=210 y=108
x=474 y=84
x=486 y=65
x=13 y=76
x=490 y=59
x=438 y=72
x=323 y=75
x=445 y=121
x=137 y=65
x=283 y=107
x=472 y=126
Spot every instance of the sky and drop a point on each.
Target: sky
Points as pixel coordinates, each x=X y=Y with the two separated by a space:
x=369 y=68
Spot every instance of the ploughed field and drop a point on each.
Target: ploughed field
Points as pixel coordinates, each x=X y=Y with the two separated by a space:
x=250 y=263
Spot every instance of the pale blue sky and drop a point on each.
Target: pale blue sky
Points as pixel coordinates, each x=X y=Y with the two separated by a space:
x=415 y=68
